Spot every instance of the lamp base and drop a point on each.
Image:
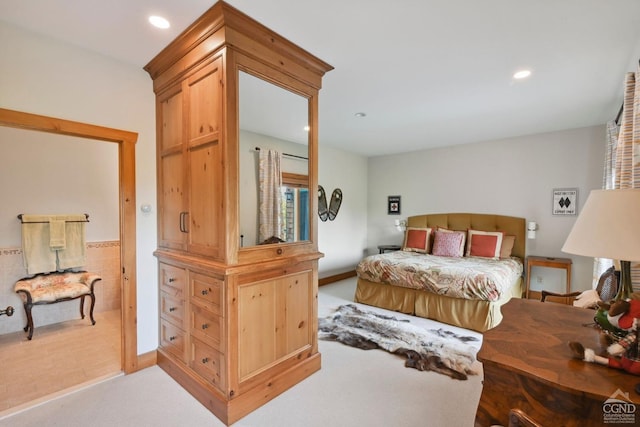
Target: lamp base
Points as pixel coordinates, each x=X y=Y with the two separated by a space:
x=625 y=289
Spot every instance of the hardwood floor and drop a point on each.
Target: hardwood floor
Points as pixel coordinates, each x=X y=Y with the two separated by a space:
x=59 y=357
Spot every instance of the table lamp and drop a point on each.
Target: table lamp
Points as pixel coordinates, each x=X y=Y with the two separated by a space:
x=609 y=227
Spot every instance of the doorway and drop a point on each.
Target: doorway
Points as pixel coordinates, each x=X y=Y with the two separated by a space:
x=127 y=213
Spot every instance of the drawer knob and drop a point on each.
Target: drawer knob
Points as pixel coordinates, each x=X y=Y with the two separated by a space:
x=205 y=325
x=172 y=309
x=172 y=338
x=172 y=279
x=205 y=292
x=205 y=360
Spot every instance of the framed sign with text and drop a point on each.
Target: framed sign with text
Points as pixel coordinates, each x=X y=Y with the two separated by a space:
x=565 y=201
x=393 y=205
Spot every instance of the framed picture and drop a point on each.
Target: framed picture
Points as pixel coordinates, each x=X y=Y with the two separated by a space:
x=565 y=201
x=393 y=205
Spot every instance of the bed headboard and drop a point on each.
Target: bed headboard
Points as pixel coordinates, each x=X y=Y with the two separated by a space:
x=485 y=222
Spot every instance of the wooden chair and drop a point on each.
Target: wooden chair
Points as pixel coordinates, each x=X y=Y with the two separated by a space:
x=607 y=287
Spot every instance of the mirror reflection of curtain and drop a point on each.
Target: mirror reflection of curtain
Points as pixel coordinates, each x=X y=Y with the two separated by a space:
x=269 y=197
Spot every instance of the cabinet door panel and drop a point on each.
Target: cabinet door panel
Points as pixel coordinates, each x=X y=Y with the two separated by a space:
x=205 y=161
x=294 y=315
x=205 y=199
x=171 y=201
x=256 y=326
x=273 y=321
x=205 y=104
x=171 y=135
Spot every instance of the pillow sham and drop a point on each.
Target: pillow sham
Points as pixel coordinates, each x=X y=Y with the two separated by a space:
x=448 y=243
x=484 y=244
x=507 y=246
x=417 y=240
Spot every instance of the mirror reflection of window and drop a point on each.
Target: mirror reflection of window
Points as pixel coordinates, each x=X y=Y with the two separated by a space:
x=295 y=207
x=272 y=118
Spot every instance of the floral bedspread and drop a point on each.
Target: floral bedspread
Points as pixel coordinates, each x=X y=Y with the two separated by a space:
x=468 y=278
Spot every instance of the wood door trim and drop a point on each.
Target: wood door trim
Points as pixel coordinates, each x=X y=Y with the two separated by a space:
x=127 y=194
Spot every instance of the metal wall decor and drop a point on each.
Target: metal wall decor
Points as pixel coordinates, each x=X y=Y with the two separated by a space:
x=329 y=211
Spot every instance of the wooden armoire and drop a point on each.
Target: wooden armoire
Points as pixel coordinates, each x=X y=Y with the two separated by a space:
x=238 y=324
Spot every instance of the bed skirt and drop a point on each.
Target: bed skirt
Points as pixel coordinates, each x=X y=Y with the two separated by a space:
x=476 y=315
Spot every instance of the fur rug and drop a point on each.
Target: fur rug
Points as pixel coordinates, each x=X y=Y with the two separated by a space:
x=436 y=350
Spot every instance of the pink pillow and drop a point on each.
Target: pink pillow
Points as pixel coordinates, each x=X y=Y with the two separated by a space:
x=417 y=240
x=485 y=244
x=448 y=243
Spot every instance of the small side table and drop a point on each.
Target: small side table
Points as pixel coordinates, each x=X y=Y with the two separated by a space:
x=388 y=248
x=549 y=262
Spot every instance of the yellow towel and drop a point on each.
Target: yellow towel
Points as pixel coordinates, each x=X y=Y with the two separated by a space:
x=74 y=254
x=38 y=250
x=56 y=233
x=36 y=254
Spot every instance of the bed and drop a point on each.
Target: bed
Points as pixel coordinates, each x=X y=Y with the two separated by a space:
x=416 y=282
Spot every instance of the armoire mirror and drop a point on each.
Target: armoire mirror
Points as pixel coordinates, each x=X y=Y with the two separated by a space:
x=273 y=118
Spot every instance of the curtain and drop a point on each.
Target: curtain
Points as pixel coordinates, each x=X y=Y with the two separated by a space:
x=269 y=197
x=628 y=151
x=608 y=183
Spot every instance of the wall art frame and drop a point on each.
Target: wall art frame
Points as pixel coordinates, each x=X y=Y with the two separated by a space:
x=565 y=201
x=393 y=205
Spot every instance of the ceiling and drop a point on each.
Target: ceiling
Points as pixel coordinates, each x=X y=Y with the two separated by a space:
x=427 y=73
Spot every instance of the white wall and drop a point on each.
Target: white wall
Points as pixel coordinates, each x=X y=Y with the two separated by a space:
x=343 y=240
x=509 y=177
x=39 y=75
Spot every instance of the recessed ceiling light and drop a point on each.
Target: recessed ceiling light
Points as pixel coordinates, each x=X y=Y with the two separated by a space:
x=360 y=114
x=159 y=22
x=522 y=74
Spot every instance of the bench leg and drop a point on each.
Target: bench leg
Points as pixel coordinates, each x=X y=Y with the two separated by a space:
x=82 y=307
x=93 y=303
x=29 y=327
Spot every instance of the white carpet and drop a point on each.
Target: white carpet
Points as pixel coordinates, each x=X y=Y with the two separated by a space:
x=354 y=388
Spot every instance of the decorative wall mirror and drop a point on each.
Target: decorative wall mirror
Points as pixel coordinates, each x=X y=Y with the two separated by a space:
x=272 y=118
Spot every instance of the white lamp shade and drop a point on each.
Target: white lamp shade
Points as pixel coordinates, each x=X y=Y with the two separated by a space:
x=608 y=226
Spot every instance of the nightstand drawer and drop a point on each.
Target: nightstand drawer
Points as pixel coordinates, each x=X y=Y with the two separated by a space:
x=207 y=292
x=172 y=309
x=208 y=363
x=207 y=327
x=172 y=338
x=173 y=280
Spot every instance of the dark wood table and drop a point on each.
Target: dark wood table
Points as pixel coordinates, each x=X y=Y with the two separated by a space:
x=528 y=365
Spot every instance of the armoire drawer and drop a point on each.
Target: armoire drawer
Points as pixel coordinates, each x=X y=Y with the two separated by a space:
x=208 y=363
x=207 y=292
x=172 y=338
x=173 y=280
x=207 y=327
x=172 y=309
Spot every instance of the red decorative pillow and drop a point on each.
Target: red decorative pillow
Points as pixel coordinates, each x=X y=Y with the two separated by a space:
x=448 y=243
x=485 y=244
x=417 y=240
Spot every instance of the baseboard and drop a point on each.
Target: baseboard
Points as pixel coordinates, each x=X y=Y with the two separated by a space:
x=147 y=360
x=336 y=278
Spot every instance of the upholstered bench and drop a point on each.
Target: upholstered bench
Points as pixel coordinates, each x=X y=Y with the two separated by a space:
x=50 y=288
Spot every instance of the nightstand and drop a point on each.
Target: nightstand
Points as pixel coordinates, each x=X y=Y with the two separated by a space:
x=388 y=248
x=548 y=262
